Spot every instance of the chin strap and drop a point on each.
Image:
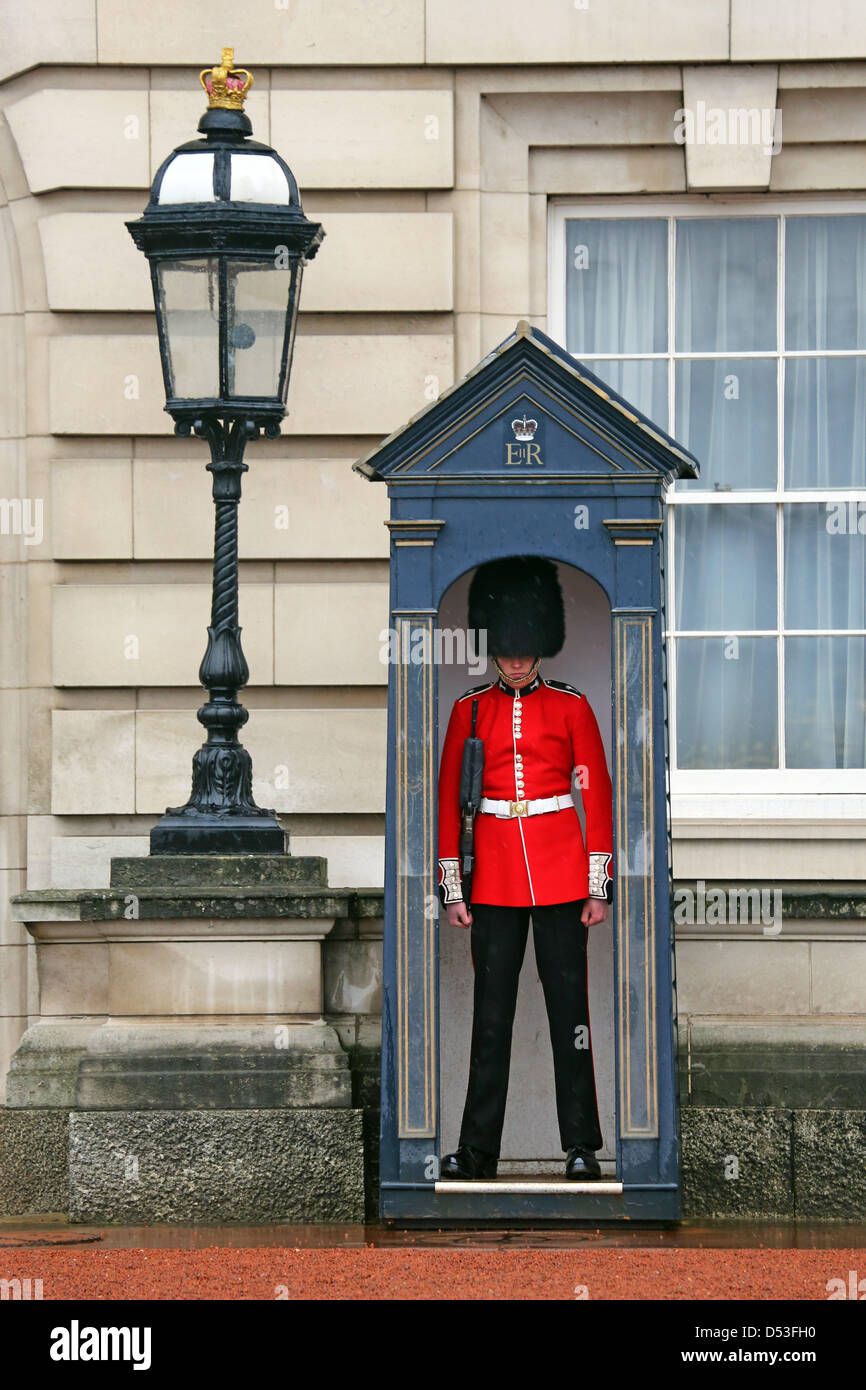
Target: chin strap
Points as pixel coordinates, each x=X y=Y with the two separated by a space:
x=522 y=680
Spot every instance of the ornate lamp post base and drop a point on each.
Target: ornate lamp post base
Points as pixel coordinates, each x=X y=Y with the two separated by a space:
x=189 y=831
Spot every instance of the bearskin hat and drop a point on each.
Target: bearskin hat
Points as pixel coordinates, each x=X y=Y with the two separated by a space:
x=519 y=602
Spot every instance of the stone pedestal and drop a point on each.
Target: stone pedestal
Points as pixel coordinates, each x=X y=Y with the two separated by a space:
x=182 y=1031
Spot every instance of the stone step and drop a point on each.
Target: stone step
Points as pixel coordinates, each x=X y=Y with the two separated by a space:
x=219 y=871
x=298 y=900
x=47 y=906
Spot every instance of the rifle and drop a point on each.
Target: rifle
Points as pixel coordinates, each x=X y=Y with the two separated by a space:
x=471 y=776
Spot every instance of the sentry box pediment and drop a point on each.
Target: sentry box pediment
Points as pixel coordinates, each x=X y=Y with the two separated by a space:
x=530 y=454
x=528 y=411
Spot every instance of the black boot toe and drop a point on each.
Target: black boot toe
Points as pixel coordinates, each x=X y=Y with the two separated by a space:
x=467 y=1162
x=582 y=1164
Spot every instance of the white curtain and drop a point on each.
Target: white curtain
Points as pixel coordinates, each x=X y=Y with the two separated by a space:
x=726 y=414
x=616 y=285
x=727 y=694
x=726 y=284
x=825 y=711
x=616 y=301
x=726 y=567
x=825 y=677
x=825 y=447
x=727 y=702
x=825 y=282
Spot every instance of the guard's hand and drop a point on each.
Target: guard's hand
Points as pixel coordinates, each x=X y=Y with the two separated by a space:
x=594 y=910
x=459 y=915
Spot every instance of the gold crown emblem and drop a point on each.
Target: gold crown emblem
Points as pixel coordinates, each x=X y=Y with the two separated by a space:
x=226 y=85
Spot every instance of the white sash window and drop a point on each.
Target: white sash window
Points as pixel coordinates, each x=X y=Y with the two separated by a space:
x=740 y=328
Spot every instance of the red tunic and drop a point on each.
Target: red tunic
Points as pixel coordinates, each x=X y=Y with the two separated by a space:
x=533 y=739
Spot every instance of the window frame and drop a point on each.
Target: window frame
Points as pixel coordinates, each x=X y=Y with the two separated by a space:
x=726 y=786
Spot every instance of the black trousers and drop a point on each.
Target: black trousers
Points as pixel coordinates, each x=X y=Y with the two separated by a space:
x=498 y=946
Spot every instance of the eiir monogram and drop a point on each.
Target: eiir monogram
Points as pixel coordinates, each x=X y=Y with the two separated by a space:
x=525 y=451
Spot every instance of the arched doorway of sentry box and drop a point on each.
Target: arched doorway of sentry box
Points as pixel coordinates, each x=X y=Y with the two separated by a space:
x=531 y=1145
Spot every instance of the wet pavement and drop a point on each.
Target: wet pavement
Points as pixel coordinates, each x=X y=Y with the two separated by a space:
x=29 y=1232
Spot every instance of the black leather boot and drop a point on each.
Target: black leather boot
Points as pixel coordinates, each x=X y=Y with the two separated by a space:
x=468 y=1163
x=581 y=1164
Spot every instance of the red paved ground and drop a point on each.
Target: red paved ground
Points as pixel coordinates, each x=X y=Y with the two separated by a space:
x=372 y=1272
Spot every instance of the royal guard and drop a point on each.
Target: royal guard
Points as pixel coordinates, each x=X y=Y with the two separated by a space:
x=519 y=739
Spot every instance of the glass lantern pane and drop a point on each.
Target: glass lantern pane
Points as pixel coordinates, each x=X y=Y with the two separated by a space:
x=257 y=319
x=189 y=299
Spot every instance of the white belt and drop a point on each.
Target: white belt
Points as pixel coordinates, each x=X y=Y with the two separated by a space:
x=507 y=809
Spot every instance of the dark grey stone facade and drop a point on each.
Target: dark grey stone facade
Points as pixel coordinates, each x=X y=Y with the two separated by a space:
x=137 y=1167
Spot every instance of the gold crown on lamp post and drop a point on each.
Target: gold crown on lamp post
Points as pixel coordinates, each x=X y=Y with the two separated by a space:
x=226 y=85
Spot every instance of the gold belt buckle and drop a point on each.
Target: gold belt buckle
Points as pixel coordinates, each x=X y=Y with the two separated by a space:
x=518 y=808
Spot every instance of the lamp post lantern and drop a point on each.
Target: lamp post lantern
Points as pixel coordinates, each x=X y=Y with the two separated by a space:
x=226 y=238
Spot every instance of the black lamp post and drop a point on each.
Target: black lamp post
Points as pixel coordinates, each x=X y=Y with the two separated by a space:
x=227 y=240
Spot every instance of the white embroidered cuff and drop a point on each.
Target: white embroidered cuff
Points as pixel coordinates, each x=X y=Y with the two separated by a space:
x=600 y=881
x=450 y=886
